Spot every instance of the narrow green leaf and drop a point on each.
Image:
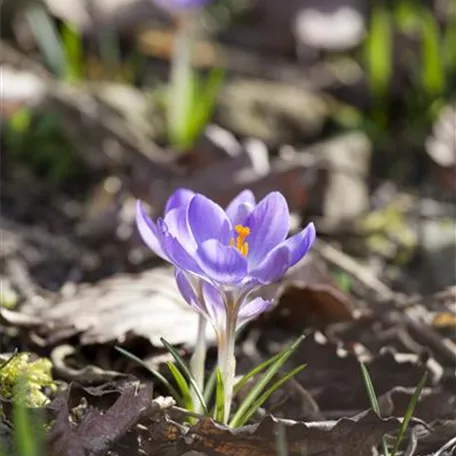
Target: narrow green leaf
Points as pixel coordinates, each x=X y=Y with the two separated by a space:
x=406 y=16
x=172 y=391
x=7 y=361
x=27 y=436
x=373 y=400
x=262 y=384
x=219 y=396
x=205 y=99
x=47 y=37
x=409 y=413
x=432 y=74
x=255 y=371
x=73 y=51
x=181 y=93
x=281 y=440
x=182 y=384
x=370 y=389
x=183 y=368
x=378 y=50
x=449 y=40
x=265 y=396
x=210 y=385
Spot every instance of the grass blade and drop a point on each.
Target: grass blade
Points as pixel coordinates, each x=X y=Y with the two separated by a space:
x=181 y=90
x=74 y=54
x=432 y=74
x=183 y=368
x=210 y=385
x=373 y=401
x=261 y=385
x=6 y=362
x=27 y=436
x=265 y=396
x=182 y=384
x=370 y=389
x=255 y=371
x=47 y=38
x=155 y=373
x=449 y=38
x=219 y=396
x=409 y=412
x=378 y=50
x=281 y=440
x=205 y=99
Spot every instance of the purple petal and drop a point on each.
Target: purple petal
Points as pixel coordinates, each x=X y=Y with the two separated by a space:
x=187 y=291
x=240 y=207
x=273 y=267
x=148 y=231
x=208 y=221
x=300 y=243
x=177 y=254
x=176 y=221
x=215 y=306
x=181 y=197
x=221 y=263
x=252 y=309
x=176 y=5
x=269 y=224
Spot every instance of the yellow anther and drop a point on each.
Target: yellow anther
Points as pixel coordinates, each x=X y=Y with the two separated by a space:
x=239 y=243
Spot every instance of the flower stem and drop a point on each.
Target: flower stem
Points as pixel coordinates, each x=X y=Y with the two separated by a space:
x=227 y=364
x=181 y=94
x=198 y=360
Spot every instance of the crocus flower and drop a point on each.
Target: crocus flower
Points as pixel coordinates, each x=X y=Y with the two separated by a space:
x=227 y=253
x=222 y=256
x=181 y=5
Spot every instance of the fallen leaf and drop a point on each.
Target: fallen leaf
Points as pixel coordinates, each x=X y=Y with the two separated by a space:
x=346 y=437
x=444 y=320
x=98 y=430
x=433 y=405
x=307 y=297
x=124 y=307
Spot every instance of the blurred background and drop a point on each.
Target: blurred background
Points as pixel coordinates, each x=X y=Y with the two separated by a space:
x=345 y=106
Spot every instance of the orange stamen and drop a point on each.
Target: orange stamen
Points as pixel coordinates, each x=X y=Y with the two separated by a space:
x=239 y=243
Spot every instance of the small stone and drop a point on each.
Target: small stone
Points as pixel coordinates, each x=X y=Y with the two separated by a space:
x=338 y=30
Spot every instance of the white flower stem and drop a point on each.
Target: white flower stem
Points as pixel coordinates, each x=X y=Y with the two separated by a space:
x=198 y=361
x=180 y=96
x=227 y=364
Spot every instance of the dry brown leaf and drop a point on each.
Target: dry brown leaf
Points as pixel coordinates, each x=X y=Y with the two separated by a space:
x=308 y=296
x=434 y=404
x=124 y=307
x=346 y=437
x=444 y=320
x=99 y=428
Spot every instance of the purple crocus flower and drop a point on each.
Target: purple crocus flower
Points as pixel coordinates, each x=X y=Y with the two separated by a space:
x=181 y=5
x=221 y=256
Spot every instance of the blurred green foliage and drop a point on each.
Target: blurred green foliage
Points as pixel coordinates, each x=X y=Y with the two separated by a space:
x=38 y=140
x=428 y=57
x=190 y=103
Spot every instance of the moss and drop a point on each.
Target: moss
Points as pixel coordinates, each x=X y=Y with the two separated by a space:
x=35 y=374
x=8 y=297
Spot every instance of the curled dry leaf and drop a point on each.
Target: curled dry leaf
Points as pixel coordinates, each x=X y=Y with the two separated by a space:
x=146 y=306
x=346 y=437
x=434 y=404
x=308 y=296
x=103 y=425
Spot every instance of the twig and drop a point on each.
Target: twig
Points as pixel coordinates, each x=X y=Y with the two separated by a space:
x=356 y=270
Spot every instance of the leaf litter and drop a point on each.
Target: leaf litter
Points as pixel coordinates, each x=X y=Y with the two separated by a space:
x=397 y=340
